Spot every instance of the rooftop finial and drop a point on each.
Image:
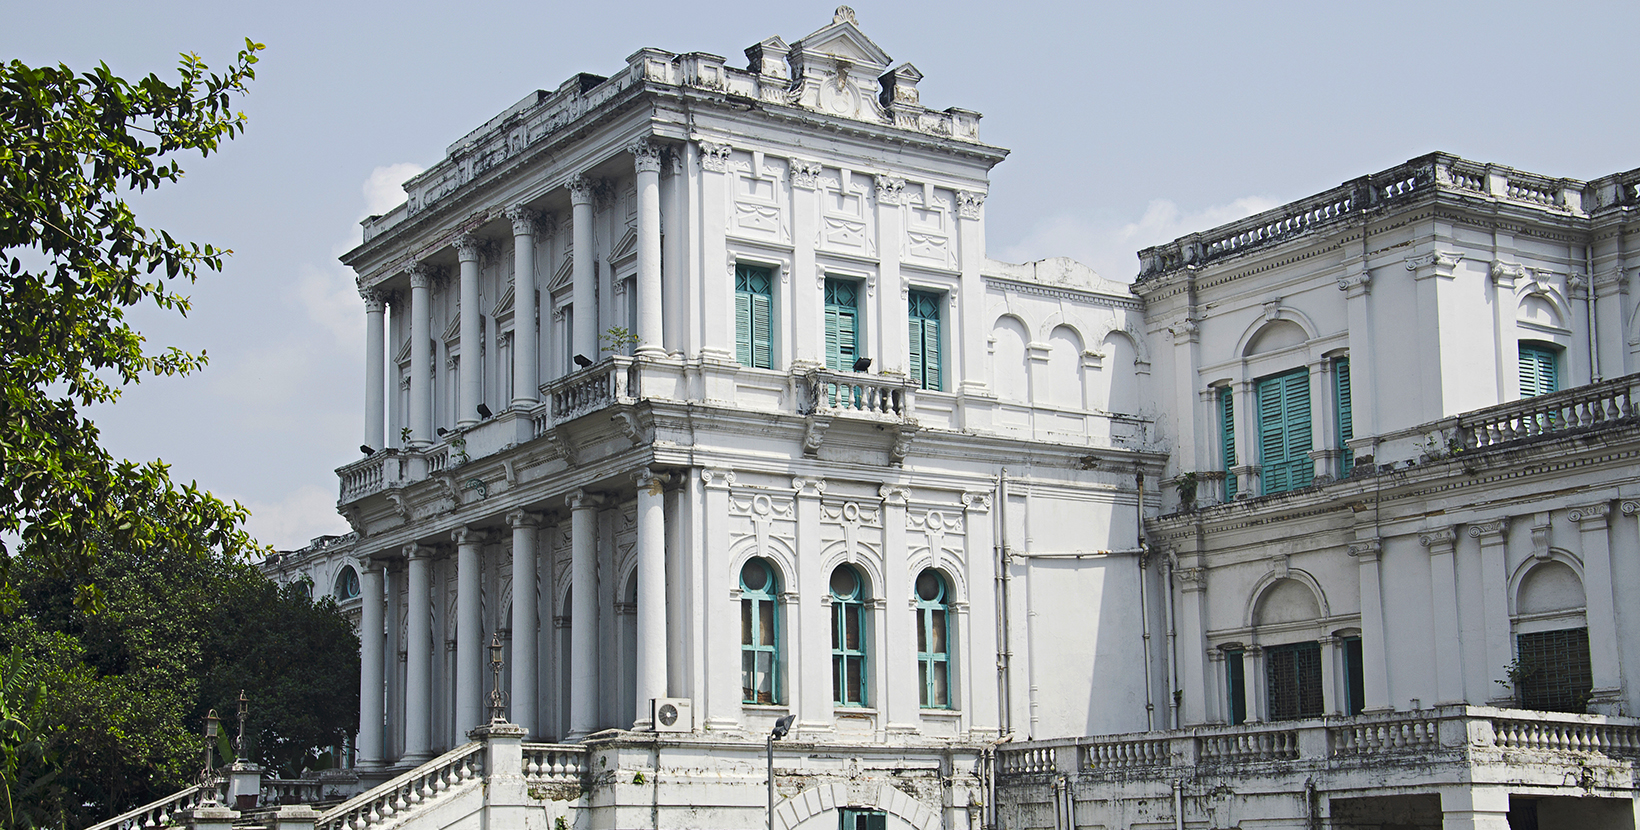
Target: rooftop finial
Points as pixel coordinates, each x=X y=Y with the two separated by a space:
x=844 y=15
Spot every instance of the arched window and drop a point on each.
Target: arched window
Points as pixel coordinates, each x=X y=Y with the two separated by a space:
x=347 y=584
x=934 y=639
x=759 y=633
x=848 y=637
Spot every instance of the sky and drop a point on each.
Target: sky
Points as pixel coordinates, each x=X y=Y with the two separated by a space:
x=1129 y=124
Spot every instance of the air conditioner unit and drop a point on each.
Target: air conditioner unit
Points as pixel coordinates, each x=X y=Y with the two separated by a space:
x=673 y=714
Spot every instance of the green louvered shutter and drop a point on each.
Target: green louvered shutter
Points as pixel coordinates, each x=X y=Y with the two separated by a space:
x=1284 y=431
x=1227 y=437
x=924 y=308
x=1539 y=374
x=1346 y=426
x=754 y=317
x=842 y=324
x=743 y=328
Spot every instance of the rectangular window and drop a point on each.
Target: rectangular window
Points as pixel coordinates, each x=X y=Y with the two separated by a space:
x=842 y=324
x=1355 y=678
x=1235 y=681
x=853 y=819
x=925 y=339
x=1292 y=675
x=1552 y=670
x=848 y=653
x=1346 y=423
x=754 y=316
x=1227 y=439
x=1284 y=431
x=1539 y=374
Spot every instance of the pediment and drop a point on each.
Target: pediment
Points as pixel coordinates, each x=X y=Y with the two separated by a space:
x=843 y=39
x=452 y=332
x=402 y=356
x=626 y=247
x=564 y=276
x=504 y=306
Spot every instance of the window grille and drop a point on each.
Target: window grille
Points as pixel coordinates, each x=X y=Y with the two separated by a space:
x=759 y=634
x=1293 y=681
x=1554 y=673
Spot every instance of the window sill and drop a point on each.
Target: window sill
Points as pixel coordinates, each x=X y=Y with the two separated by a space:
x=941 y=713
x=766 y=707
x=853 y=711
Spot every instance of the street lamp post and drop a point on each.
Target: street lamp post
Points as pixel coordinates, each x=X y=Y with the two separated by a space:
x=781 y=727
x=207 y=776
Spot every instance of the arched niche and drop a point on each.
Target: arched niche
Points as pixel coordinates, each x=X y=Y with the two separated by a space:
x=1286 y=602
x=1065 y=368
x=1121 y=369
x=1549 y=588
x=1275 y=336
x=1010 y=377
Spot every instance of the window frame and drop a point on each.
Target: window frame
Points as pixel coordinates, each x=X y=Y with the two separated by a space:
x=1343 y=414
x=834 y=357
x=934 y=666
x=1280 y=423
x=841 y=655
x=336 y=585
x=752 y=602
x=1307 y=680
x=1227 y=439
x=1538 y=355
x=918 y=338
x=855 y=818
x=746 y=322
x=1235 y=682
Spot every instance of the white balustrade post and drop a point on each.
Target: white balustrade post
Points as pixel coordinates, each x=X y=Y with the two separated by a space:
x=526 y=366
x=651 y=328
x=375 y=398
x=418 y=698
x=472 y=370
x=421 y=356
x=651 y=623
x=584 y=313
x=583 y=695
x=470 y=642
x=370 y=665
x=525 y=623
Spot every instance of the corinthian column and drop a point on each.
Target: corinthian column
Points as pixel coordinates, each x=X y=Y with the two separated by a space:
x=651 y=592
x=375 y=401
x=651 y=334
x=370 y=665
x=584 y=314
x=472 y=369
x=469 y=631
x=525 y=623
x=526 y=366
x=418 y=698
x=583 y=671
x=421 y=356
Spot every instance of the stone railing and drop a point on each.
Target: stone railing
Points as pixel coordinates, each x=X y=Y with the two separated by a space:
x=1026 y=760
x=279 y=791
x=1577 y=734
x=165 y=812
x=368 y=475
x=554 y=763
x=392 y=801
x=1249 y=745
x=611 y=380
x=1122 y=754
x=1363 y=737
x=889 y=397
x=1582 y=408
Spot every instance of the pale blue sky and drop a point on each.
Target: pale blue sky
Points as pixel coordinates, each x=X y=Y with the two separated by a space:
x=1129 y=124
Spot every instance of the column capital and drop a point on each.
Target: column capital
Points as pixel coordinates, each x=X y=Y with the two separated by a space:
x=717 y=479
x=414 y=551
x=1438 y=540
x=1366 y=550
x=1504 y=274
x=524 y=518
x=889 y=188
x=1490 y=533
x=583 y=500
x=375 y=300
x=421 y=275
x=469 y=536
x=714 y=156
x=580 y=190
x=653 y=481
x=467 y=247
x=1433 y=264
x=1591 y=516
x=524 y=220
x=806 y=174
x=969 y=203
x=894 y=494
x=1191 y=580
x=976 y=501
x=809 y=488
x=1358 y=284
x=1630 y=507
x=646 y=155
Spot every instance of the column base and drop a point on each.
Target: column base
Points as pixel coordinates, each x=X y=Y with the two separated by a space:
x=650 y=351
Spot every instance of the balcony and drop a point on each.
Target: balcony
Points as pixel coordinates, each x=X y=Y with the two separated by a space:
x=889 y=398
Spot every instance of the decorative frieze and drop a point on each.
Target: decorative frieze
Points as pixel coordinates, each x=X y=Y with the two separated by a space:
x=714 y=156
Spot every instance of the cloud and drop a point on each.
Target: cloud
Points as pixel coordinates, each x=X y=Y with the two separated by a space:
x=331 y=300
x=1110 y=246
x=297 y=517
x=384 y=190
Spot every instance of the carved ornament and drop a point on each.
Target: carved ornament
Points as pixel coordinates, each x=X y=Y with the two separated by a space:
x=969 y=203
x=889 y=189
x=1490 y=532
x=646 y=156
x=714 y=156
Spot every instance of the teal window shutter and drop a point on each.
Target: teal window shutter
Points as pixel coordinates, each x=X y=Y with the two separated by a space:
x=1235 y=679
x=760 y=660
x=754 y=317
x=1227 y=438
x=849 y=637
x=842 y=324
x=924 y=309
x=933 y=640
x=1284 y=431
x=1539 y=374
x=1346 y=425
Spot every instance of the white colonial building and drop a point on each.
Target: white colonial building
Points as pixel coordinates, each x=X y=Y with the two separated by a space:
x=694 y=389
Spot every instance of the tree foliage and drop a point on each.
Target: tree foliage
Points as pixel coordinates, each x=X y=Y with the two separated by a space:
x=73 y=258
x=125 y=690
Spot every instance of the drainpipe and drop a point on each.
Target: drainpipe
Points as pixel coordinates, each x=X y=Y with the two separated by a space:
x=1178 y=804
x=1594 y=330
x=1172 y=677
x=1144 y=606
x=999 y=534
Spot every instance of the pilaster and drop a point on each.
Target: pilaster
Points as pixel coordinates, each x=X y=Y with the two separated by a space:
x=1374 y=654
x=1444 y=614
x=1593 y=524
x=1494 y=538
x=472 y=374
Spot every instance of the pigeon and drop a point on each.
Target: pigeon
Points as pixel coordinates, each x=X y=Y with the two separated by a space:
x=862 y=364
x=441 y=431
x=365 y=448
x=484 y=411
x=582 y=361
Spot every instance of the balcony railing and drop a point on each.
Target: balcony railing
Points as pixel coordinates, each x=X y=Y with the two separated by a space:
x=1585 y=407
x=613 y=380
x=888 y=397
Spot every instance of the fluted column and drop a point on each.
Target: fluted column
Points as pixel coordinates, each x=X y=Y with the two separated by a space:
x=583 y=665
x=525 y=623
x=469 y=631
x=370 y=665
x=584 y=313
x=418 y=692
x=651 y=592
x=421 y=356
x=651 y=332
x=375 y=359
x=472 y=365
x=526 y=366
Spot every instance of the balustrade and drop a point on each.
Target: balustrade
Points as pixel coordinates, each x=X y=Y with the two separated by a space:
x=1574 y=409
x=392 y=801
x=1248 y=746
x=856 y=393
x=554 y=763
x=166 y=812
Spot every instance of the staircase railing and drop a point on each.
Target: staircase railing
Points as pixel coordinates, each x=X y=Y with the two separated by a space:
x=161 y=813
x=390 y=801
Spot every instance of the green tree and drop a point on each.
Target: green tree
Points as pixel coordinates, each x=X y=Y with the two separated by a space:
x=127 y=688
x=73 y=258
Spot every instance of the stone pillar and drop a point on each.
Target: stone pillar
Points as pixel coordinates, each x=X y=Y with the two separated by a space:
x=1374 y=654
x=421 y=356
x=1252 y=682
x=891 y=313
x=472 y=369
x=526 y=366
x=1494 y=536
x=1593 y=524
x=1190 y=645
x=526 y=623
x=583 y=672
x=980 y=634
x=370 y=666
x=418 y=697
x=393 y=721
x=1470 y=807
x=1443 y=589
x=1215 y=693
x=969 y=327
x=375 y=368
x=651 y=332
x=296 y=817
x=211 y=817
x=470 y=642
x=897 y=686
x=1357 y=287
x=584 y=314
x=722 y=617
x=651 y=575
